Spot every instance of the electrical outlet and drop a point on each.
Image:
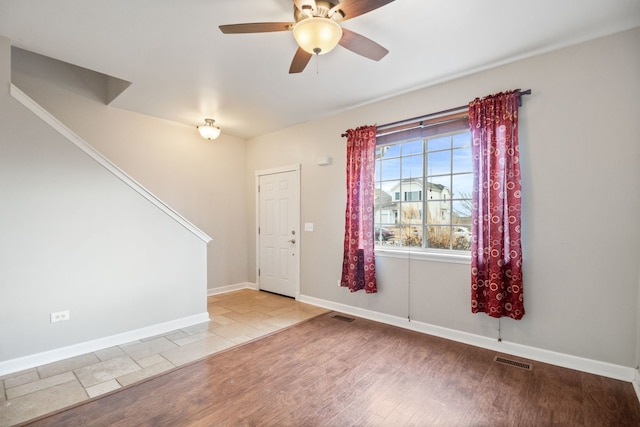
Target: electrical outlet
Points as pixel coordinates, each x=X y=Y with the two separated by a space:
x=339 y=284
x=59 y=316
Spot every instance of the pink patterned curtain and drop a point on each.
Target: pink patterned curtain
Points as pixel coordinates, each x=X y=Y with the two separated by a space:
x=358 y=262
x=496 y=255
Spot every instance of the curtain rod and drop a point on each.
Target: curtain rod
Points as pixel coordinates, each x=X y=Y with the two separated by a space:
x=444 y=112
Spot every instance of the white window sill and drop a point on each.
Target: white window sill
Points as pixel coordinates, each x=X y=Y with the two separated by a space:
x=444 y=256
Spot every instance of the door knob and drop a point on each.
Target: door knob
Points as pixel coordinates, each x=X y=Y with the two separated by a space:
x=292 y=241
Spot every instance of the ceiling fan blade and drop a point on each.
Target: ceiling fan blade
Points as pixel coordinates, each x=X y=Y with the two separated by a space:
x=352 y=8
x=256 y=27
x=361 y=45
x=300 y=61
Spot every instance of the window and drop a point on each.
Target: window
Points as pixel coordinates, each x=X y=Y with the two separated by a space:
x=424 y=183
x=410 y=196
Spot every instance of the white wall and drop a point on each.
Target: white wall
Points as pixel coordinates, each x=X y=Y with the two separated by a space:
x=202 y=180
x=579 y=138
x=75 y=237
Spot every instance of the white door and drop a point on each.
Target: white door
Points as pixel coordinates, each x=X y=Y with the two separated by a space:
x=278 y=233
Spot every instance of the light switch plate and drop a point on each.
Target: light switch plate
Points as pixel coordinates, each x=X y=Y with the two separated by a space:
x=308 y=226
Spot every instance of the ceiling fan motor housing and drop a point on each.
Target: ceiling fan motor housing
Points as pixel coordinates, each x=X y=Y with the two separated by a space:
x=323 y=9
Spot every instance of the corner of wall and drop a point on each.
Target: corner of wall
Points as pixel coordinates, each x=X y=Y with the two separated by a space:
x=636 y=383
x=235 y=287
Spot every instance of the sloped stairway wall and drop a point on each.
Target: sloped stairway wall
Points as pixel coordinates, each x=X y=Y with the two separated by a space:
x=78 y=236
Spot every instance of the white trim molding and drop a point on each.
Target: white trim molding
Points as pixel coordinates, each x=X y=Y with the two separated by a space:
x=39 y=359
x=231 y=288
x=404 y=253
x=596 y=367
x=43 y=114
x=288 y=168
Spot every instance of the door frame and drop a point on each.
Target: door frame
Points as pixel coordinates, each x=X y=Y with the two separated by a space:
x=289 y=168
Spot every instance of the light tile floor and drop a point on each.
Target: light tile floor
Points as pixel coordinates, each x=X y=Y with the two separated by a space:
x=236 y=317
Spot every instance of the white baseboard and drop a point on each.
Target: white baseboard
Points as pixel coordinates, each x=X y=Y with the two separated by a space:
x=604 y=369
x=39 y=359
x=231 y=288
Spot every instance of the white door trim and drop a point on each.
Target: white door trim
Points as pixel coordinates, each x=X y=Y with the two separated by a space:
x=289 y=168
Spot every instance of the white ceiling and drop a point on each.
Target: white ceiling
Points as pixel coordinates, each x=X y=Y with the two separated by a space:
x=183 y=69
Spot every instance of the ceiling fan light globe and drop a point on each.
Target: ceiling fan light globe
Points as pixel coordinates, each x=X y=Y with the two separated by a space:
x=317 y=36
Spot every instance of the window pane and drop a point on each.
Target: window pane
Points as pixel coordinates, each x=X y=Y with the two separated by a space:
x=461 y=238
x=412 y=166
x=463 y=186
x=439 y=212
x=388 y=151
x=462 y=212
x=439 y=163
x=383 y=207
x=438 y=188
x=439 y=237
x=462 y=139
x=388 y=186
x=462 y=160
x=441 y=143
x=411 y=213
x=390 y=169
x=412 y=147
x=385 y=235
x=412 y=236
x=411 y=189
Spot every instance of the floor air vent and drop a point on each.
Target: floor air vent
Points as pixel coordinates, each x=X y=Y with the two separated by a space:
x=514 y=363
x=343 y=318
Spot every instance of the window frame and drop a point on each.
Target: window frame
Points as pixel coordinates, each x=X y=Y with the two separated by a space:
x=449 y=124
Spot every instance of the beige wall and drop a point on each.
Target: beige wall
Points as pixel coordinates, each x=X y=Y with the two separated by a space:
x=579 y=140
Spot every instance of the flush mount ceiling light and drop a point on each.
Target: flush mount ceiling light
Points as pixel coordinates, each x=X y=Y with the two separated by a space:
x=317 y=35
x=208 y=130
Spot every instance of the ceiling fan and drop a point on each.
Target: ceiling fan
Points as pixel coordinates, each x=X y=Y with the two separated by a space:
x=317 y=30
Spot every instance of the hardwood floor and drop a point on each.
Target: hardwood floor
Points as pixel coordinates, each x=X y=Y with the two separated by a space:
x=235 y=317
x=329 y=372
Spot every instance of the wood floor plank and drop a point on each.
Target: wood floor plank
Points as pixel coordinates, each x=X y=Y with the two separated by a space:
x=327 y=372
